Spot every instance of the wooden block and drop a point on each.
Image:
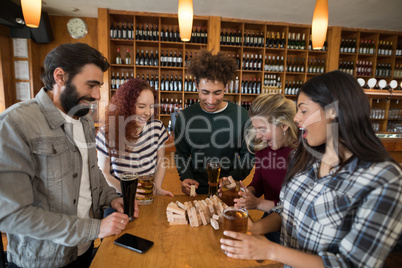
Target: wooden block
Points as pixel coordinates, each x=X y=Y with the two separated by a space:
x=207 y=214
x=181 y=205
x=215 y=224
x=192 y=191
x=211 y=209
x=202 y=215
x=172 y=207
x=195 y=217
x=204 y=203
x=215 y=217
x=230 y=178
x=177 y=223
x=190 y=217
x=220 y=207
x=176 y=216
x=188 y=204
x=178 y=220
x=209 y=201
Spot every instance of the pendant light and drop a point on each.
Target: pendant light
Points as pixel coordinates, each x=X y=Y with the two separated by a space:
x=320 y=24
x=31 y=9
x=185 y=12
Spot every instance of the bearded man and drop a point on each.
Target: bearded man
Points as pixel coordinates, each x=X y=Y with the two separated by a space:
x=51 y=189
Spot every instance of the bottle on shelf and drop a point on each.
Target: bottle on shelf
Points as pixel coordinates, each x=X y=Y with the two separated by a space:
x=398 y=71
x=119 y=32
x=128 y=57
x=398 y=51
x=146 y=58
x=113 y=81
x=118 y=57
x=112 y=30
x=142 y=58
x=383 y=70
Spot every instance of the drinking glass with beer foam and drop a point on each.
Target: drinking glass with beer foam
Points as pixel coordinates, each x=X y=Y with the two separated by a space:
x=213 y=170
x=128 y=183
x=230 y=191
x=235 y=219
x=148 y=186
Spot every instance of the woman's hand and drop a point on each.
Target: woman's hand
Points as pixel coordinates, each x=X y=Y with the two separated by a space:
x=247 y=200
x=161 y=191
x=251 y=247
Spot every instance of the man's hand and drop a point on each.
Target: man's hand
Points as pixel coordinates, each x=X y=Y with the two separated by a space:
x=117 y=204
x=113 y=224
x=186 y=185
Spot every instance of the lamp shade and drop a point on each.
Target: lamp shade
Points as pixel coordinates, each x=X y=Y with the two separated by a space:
x=185 y=12
x=31 y=9
x=320 y=24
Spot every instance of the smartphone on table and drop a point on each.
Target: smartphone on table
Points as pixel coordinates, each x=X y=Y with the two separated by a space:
x=133 y=242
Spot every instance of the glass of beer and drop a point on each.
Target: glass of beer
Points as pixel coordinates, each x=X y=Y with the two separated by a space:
x=235 y=219
x=213 y=170
x=128 y=183
x=148 y=186
x=230 y=191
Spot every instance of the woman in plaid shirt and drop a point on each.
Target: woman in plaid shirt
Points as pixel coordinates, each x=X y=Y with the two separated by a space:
x=340 y=204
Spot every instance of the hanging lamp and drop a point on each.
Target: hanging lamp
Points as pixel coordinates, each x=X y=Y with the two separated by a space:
x=31 y=9
x=320 y=24
x=185 y=12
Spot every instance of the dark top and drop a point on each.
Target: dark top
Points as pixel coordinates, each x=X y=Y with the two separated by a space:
x=270 y=171
x=200 y=136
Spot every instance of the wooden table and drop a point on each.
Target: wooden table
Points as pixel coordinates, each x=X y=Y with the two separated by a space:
x=174 y=246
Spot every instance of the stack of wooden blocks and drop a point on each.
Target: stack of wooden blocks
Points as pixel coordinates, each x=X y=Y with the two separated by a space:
x=197 y=212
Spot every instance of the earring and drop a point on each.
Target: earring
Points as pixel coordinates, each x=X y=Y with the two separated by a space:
x=284 y=133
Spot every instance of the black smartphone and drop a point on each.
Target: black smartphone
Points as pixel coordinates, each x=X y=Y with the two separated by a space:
x=133 y=242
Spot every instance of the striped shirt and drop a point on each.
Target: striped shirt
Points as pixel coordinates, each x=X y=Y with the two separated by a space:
x=139 y=157
x=350 y=219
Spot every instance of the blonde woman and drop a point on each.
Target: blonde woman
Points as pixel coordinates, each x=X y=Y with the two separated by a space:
x=273 y=136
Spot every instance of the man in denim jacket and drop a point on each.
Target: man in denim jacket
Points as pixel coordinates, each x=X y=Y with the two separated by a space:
x=51 y=188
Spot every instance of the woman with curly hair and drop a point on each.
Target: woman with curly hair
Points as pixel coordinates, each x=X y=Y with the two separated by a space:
x=132 y=140
x=212 y=128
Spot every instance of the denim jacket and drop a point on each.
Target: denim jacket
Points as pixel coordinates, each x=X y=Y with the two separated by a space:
x=40 y=169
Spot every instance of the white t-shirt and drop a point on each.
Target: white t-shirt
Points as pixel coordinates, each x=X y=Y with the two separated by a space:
x=85 y=196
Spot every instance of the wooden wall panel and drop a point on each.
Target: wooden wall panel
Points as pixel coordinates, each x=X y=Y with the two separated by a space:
x=214 y=33
x=61 y=36
x=334 y=39
x=7 y=82
x=103 y=47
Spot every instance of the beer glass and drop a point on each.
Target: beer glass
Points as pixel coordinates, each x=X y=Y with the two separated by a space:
x=230 y=192
x=235 y=219
x=213 y=170
x=128 y=183
x=148 y=186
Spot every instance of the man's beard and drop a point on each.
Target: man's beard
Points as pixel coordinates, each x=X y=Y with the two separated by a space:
x=70 y=101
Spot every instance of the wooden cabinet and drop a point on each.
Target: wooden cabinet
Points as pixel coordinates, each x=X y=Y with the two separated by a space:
x=272 y=57
x=155 y=52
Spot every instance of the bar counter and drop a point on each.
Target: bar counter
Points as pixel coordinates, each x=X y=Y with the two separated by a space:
x=174 y=245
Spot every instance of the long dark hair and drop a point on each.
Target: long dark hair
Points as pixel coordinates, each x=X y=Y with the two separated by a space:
x=340 y=91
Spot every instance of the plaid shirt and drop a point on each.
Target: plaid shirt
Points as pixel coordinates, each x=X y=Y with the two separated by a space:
x=350 y=219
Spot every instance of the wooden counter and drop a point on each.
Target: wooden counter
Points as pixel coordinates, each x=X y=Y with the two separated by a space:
x=174 y=246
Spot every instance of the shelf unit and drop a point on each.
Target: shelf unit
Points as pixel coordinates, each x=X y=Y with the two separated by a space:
x=273 y=41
